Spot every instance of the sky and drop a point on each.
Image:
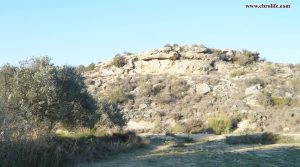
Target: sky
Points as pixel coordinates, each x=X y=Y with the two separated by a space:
x=75 y=32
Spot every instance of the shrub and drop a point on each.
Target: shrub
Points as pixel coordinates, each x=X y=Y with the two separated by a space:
x=217 y=52
x=111 y=115
x=127 y=53
x=53 y=151
x=90 y=67
x=295 y=83
x=118 y=61
x=244 y=139
x=116 y=94
x=270 y=70
x=280 y=101
x=144 y=90
x=264 y=138
x=175 y=45
x=237 y=73
x=158 y=127
x=265 y=98
x=255 y=81
x=38 y=95
x=39 y=90
x=163 y=97
x=178 y=87
x=246 y=57
x=220 y=124
x=194 y=126
x=80 y=69
x=178 y=128
x=168 y=45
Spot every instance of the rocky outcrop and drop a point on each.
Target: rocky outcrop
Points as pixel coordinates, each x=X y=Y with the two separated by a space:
x=176 y=85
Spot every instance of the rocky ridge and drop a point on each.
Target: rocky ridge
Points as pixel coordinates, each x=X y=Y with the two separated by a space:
x=174 y=87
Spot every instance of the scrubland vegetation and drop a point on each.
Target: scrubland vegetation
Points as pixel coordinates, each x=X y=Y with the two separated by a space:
x=62 y=115
x=49 y=119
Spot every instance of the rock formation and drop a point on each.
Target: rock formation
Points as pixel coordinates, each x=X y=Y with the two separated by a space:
x=176 y=85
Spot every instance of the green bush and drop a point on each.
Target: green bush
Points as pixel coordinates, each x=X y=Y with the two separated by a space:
x=90 y=67
x=37 y=96
x=280 y=101
x=178 y=87
x=42 y=93
x=264 y=138
x=265 y=98
x=246 y=57
x=220 y=124
x=255 y=81
x=82 y=69
x=111 y=115
x=270 y=70
x=40 y=90
x=163 y=97
x=118 y=61
x=237 y=73
x=168 y=45
x=295 y=83
x=217 y=52
x=116 y=94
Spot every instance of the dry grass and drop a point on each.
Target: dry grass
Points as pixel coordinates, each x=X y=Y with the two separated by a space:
x=64 y=151
x=116 y=94
x=236 y=73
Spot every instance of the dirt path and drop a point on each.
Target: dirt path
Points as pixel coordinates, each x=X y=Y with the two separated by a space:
x=181 y=151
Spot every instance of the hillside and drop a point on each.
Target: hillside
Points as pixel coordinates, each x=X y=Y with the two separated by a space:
x=181 y=89
x=193 y=104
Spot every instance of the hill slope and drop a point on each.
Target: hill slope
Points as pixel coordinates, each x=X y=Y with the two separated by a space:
x=181 y=88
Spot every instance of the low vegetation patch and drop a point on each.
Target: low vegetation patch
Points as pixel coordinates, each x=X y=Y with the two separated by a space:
x=116 y=94
x=256 y=81
x=82 y=69
x=60 y=151
x=264 y=138
x=118 y=61
x=220 y=124
x=236 y=73
x=246 y=57
x=280 y=101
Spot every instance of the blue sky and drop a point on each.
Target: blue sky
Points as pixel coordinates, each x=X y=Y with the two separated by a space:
x=77 y=32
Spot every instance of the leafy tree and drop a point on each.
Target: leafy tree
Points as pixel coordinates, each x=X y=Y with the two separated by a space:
x=44 y=91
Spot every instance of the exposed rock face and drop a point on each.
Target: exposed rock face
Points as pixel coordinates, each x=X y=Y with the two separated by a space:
x=175 y=85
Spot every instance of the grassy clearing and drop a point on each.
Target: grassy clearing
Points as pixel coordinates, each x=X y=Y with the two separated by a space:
x=212 y=151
